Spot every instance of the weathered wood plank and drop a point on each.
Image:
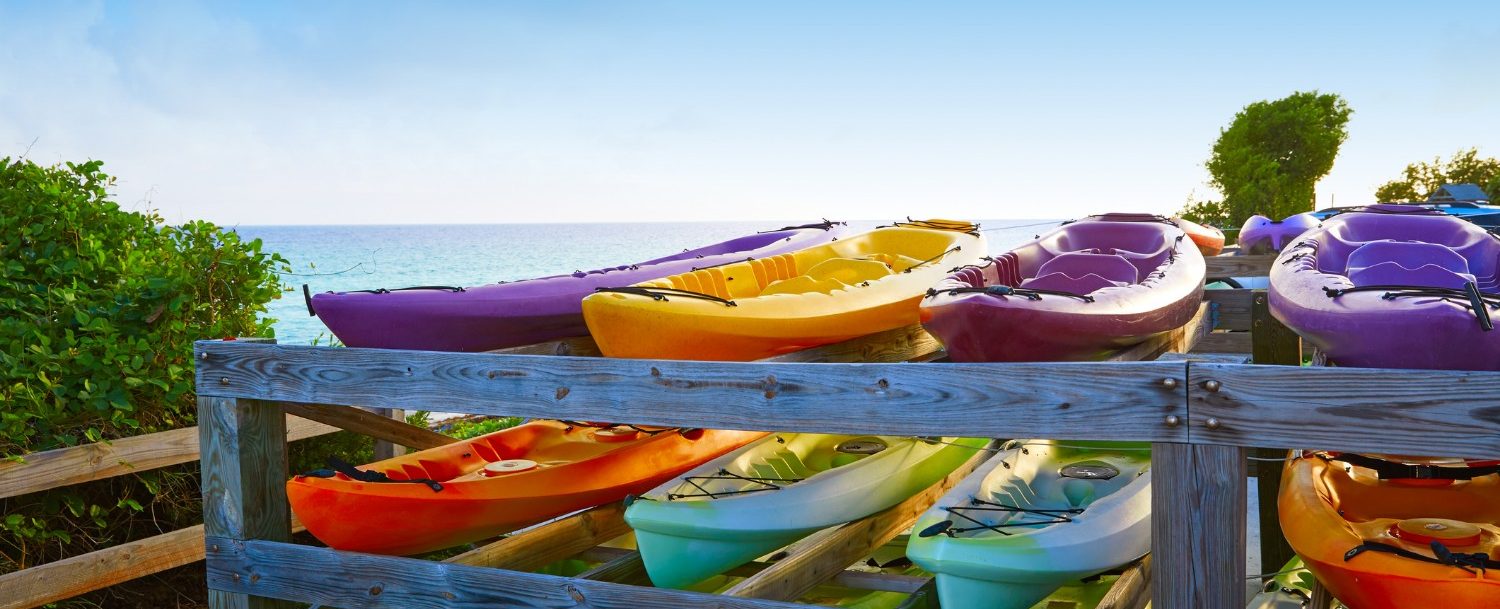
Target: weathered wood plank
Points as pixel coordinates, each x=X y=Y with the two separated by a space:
x=824 y=554
x=1348 y=409
x=70 y=577
x=1257 y=265
x=1234 y=307
x=346 y=579
x=899 y=345
x=1132 y=589
x=385 y=449
x=76 y=575
x=1225 y=342
x=1271 y=341
x=551 y=542
x=578 y=346
x=243 y=445
x=1198 y=505
x=1207 y=358
x=89 y=462
x=627 y=569
x=370 y=424
x=1049 y=400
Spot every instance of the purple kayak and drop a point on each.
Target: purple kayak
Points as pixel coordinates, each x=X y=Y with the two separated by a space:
x=509 y=314
x=1077 y=293
x=1392 y=286
x=1262 y=235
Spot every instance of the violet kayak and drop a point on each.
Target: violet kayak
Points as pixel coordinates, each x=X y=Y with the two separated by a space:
x=1077 y=293
x=508 y=314
x=1391 y=287
x=1262 y=235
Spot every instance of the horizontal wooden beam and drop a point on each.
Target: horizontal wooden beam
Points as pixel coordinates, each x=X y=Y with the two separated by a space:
x=1427 y=412
x=626 y=567
x=347 y=579
x=370 y=424
x=1234 y=307
x=827 y=553
x=557 y=540
x=903 y=344
x=580 y=346
x=1226 y=342
x=1049 y=400
x=78 y=464
x=1132 y=590
x=1258 y=265
x=84 y=573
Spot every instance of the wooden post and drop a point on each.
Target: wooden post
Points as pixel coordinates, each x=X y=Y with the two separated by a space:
x=1198 y=504
x=384 y=449
x=1272 y=343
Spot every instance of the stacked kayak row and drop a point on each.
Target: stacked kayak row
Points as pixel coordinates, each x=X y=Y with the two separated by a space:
x=702 y=502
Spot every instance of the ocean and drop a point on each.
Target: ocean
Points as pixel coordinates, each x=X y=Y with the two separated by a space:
x=359 y=257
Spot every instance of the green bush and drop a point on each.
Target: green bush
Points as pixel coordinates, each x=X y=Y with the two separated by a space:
x=99 y=308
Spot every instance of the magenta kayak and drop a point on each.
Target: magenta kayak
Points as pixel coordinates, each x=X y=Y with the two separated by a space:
x=1390 y=286
x=508 y=314
x=1077 y=293
x=1262 y=235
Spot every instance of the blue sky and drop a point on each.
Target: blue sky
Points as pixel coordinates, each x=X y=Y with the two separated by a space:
x=334 y=112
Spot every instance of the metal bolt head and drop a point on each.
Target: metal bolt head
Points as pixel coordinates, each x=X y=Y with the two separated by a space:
x=1211 y=386
x=1173 y=421
x=1169 y=383
x=1212 y=423
x=223 y=380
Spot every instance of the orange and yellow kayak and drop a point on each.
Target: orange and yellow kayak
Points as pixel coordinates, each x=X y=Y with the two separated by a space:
x=1210 y=240
x=495 y=483
x=1399 y=542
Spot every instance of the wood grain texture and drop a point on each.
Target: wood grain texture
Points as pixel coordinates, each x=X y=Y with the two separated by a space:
x=557 y=540
x=243 y=444
x=580 y=346
x=1207 y=358
x=70 y=577
x=1271 y=341
x=1050 y=400
x=822 y=555
x=1220 y=267
x=1438 y=413
x=370 y=424
x=1226 y=342
x=1132 y=590
x=346 y=579
x=904 y=344
x=627 y=569
x=89 y=462
x=1234 y=307
x=1198 y=504
x=385 y=449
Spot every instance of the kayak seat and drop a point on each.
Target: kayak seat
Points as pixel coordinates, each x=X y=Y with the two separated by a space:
x=1112 y=267
x=1062 y=282
x=829 y=275
x=1414 y=263
x=1393 y=273
x=1410 y=254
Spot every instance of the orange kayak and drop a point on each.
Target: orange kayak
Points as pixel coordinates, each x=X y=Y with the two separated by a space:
x=1395 y=536
x=495 y=483
x=1210 y=240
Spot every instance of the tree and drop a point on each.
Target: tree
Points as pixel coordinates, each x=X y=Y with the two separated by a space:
x=1421 y=179
x=1274 y=152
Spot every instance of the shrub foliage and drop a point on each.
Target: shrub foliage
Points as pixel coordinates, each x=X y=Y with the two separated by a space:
x=99 y=308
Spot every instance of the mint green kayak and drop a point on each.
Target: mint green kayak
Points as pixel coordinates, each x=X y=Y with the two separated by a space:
x=775 y=491
x=1037 y=517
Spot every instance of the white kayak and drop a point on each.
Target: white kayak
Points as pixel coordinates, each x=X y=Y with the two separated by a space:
x=1038 y=516
x=775 y=491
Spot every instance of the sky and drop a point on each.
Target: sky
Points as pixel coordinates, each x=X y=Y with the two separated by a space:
x=497 y=112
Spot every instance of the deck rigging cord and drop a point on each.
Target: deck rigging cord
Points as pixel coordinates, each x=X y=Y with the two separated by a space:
x=826 y=224
x=934 y=258
x=339 y=466
x=1005 y=290
x=766 y=484
x=946 y=527
x=661 y=294
x=1478 y=302
x=1441 y=556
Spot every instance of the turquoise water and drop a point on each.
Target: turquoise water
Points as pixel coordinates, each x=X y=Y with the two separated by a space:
x=365 y=257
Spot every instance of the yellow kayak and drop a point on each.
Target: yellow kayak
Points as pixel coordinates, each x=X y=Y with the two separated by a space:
x=764 y=307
